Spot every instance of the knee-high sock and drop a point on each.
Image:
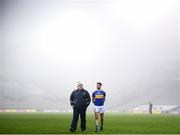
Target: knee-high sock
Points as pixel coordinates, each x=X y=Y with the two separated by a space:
x=97 y=122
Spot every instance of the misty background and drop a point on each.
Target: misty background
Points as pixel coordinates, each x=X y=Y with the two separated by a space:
x=131 y=46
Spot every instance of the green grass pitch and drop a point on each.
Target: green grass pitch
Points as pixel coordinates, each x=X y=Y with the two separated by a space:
x=59 y=123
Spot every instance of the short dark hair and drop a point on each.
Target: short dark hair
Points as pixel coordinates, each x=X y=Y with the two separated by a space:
x=99 y=83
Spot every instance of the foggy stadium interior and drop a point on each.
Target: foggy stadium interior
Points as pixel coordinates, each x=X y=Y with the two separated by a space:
x=132 y=47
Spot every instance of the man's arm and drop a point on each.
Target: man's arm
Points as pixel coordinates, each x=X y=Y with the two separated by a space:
x=93 y=97
x=72 y=98
x=88 y=98
x=104 y=96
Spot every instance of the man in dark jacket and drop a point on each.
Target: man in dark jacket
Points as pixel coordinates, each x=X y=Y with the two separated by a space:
x=80 y=100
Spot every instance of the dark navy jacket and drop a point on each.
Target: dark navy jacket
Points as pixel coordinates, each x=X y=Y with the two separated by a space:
x=80 y=99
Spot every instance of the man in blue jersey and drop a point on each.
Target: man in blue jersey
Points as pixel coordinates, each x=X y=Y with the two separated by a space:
x=98 y=98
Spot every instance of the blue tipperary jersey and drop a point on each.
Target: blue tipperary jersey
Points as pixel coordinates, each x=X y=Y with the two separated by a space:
x=99 y=97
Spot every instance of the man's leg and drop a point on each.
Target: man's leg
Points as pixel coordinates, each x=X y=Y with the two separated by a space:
x=75 y=119
x=97 y=120
x=102 y=120
x=83 y=119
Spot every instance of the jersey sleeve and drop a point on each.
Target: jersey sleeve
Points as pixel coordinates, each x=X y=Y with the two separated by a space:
x=104 y=94
x=93 y=94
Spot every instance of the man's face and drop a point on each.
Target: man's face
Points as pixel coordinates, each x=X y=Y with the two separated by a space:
x=98 y=86
x=80 y=87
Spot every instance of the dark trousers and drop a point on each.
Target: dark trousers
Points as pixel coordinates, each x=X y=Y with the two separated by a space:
x=76 y=113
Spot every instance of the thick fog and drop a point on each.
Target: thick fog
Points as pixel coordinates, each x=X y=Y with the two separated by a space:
x=131 y=46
